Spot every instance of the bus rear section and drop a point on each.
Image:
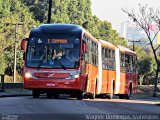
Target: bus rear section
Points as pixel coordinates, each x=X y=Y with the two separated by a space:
x=53 y=61
x=119 y=72
x=128 y=73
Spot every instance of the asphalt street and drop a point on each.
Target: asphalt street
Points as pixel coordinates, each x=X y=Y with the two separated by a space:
x=25 y=108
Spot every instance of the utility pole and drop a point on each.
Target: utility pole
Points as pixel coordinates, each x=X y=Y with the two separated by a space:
x=15 y=54
x=49 y=11
x=15 y=48
x=133 y=41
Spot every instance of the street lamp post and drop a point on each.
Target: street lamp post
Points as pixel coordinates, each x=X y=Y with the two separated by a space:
x=49 y=11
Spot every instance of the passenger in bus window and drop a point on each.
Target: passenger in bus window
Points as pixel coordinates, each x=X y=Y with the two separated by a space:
x=65 y=57
x=38 y=53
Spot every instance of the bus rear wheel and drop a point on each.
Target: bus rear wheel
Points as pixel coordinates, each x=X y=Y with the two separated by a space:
x=109 y=96
x=121 y=96
x=104 y=96
x=127 y=96
x=92 y=96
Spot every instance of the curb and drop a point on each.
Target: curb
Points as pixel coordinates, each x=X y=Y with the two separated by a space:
x=14 y=94
x=18 y=95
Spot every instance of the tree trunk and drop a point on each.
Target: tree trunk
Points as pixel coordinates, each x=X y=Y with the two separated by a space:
x=155 y=82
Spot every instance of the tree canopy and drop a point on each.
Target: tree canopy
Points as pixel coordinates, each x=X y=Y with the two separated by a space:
x=12 y=13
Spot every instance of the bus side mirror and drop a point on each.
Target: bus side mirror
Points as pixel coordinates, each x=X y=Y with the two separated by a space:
x=24 y=44
x=85 y=47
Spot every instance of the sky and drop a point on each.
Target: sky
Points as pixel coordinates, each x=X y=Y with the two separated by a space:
x=111 y=10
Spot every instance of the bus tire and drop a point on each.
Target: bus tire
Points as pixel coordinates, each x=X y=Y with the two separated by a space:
x=56 y=95
x=127 y=96
x=121 y=96
x=35 y=93
x=93 y=95
x=109 y=96
x=85 y=96
x=49 y=95
x=80 y=96
x=104 y=96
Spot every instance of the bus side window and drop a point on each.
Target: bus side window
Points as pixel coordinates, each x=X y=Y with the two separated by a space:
x=113 y=59
x=104 y=58
x=96 y=54
x=131 y=63
x=89 y=51
x=122 y=62
x=134 y=64
x=127 y=62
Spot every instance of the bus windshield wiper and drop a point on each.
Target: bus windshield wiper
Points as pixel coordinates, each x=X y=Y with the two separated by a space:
x=61 y=64
x=40 y=63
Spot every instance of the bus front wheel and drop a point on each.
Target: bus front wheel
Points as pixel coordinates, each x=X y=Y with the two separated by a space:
x=35 y=93
x=49 y=95
x=80 y=96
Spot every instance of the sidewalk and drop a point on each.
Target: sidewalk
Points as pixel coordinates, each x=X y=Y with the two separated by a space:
x=15 y=92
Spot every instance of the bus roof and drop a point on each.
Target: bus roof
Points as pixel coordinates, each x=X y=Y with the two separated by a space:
x=90 y=36
x=107 y=44
x=57 y=29
x=126 y=50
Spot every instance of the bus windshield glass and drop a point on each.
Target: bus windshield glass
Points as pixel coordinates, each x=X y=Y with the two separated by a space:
x=48 y=52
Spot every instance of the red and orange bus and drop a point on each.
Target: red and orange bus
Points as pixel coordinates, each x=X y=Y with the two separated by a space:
x=66 y=59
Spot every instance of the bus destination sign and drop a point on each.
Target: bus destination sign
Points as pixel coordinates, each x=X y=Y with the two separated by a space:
x=57 y=41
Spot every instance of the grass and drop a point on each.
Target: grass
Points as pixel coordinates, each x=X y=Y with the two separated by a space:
x=146 y=91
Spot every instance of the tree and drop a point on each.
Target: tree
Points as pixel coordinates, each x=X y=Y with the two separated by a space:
x=12 y=12
x=146 y=69
x=145 y=19
x=39 y=8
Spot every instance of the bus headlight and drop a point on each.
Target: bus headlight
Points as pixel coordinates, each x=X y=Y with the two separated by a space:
x=76 y=76
x=27 y=75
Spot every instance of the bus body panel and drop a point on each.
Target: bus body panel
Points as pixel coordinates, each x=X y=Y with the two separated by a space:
x=111 y=79
x=92 y=76
x=122 y=83
x=72 y=84
x=104 y=81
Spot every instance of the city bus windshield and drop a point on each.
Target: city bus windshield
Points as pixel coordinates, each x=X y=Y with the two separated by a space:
x=48 y=52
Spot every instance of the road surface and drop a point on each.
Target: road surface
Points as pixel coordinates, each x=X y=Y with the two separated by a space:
x=27 y=108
